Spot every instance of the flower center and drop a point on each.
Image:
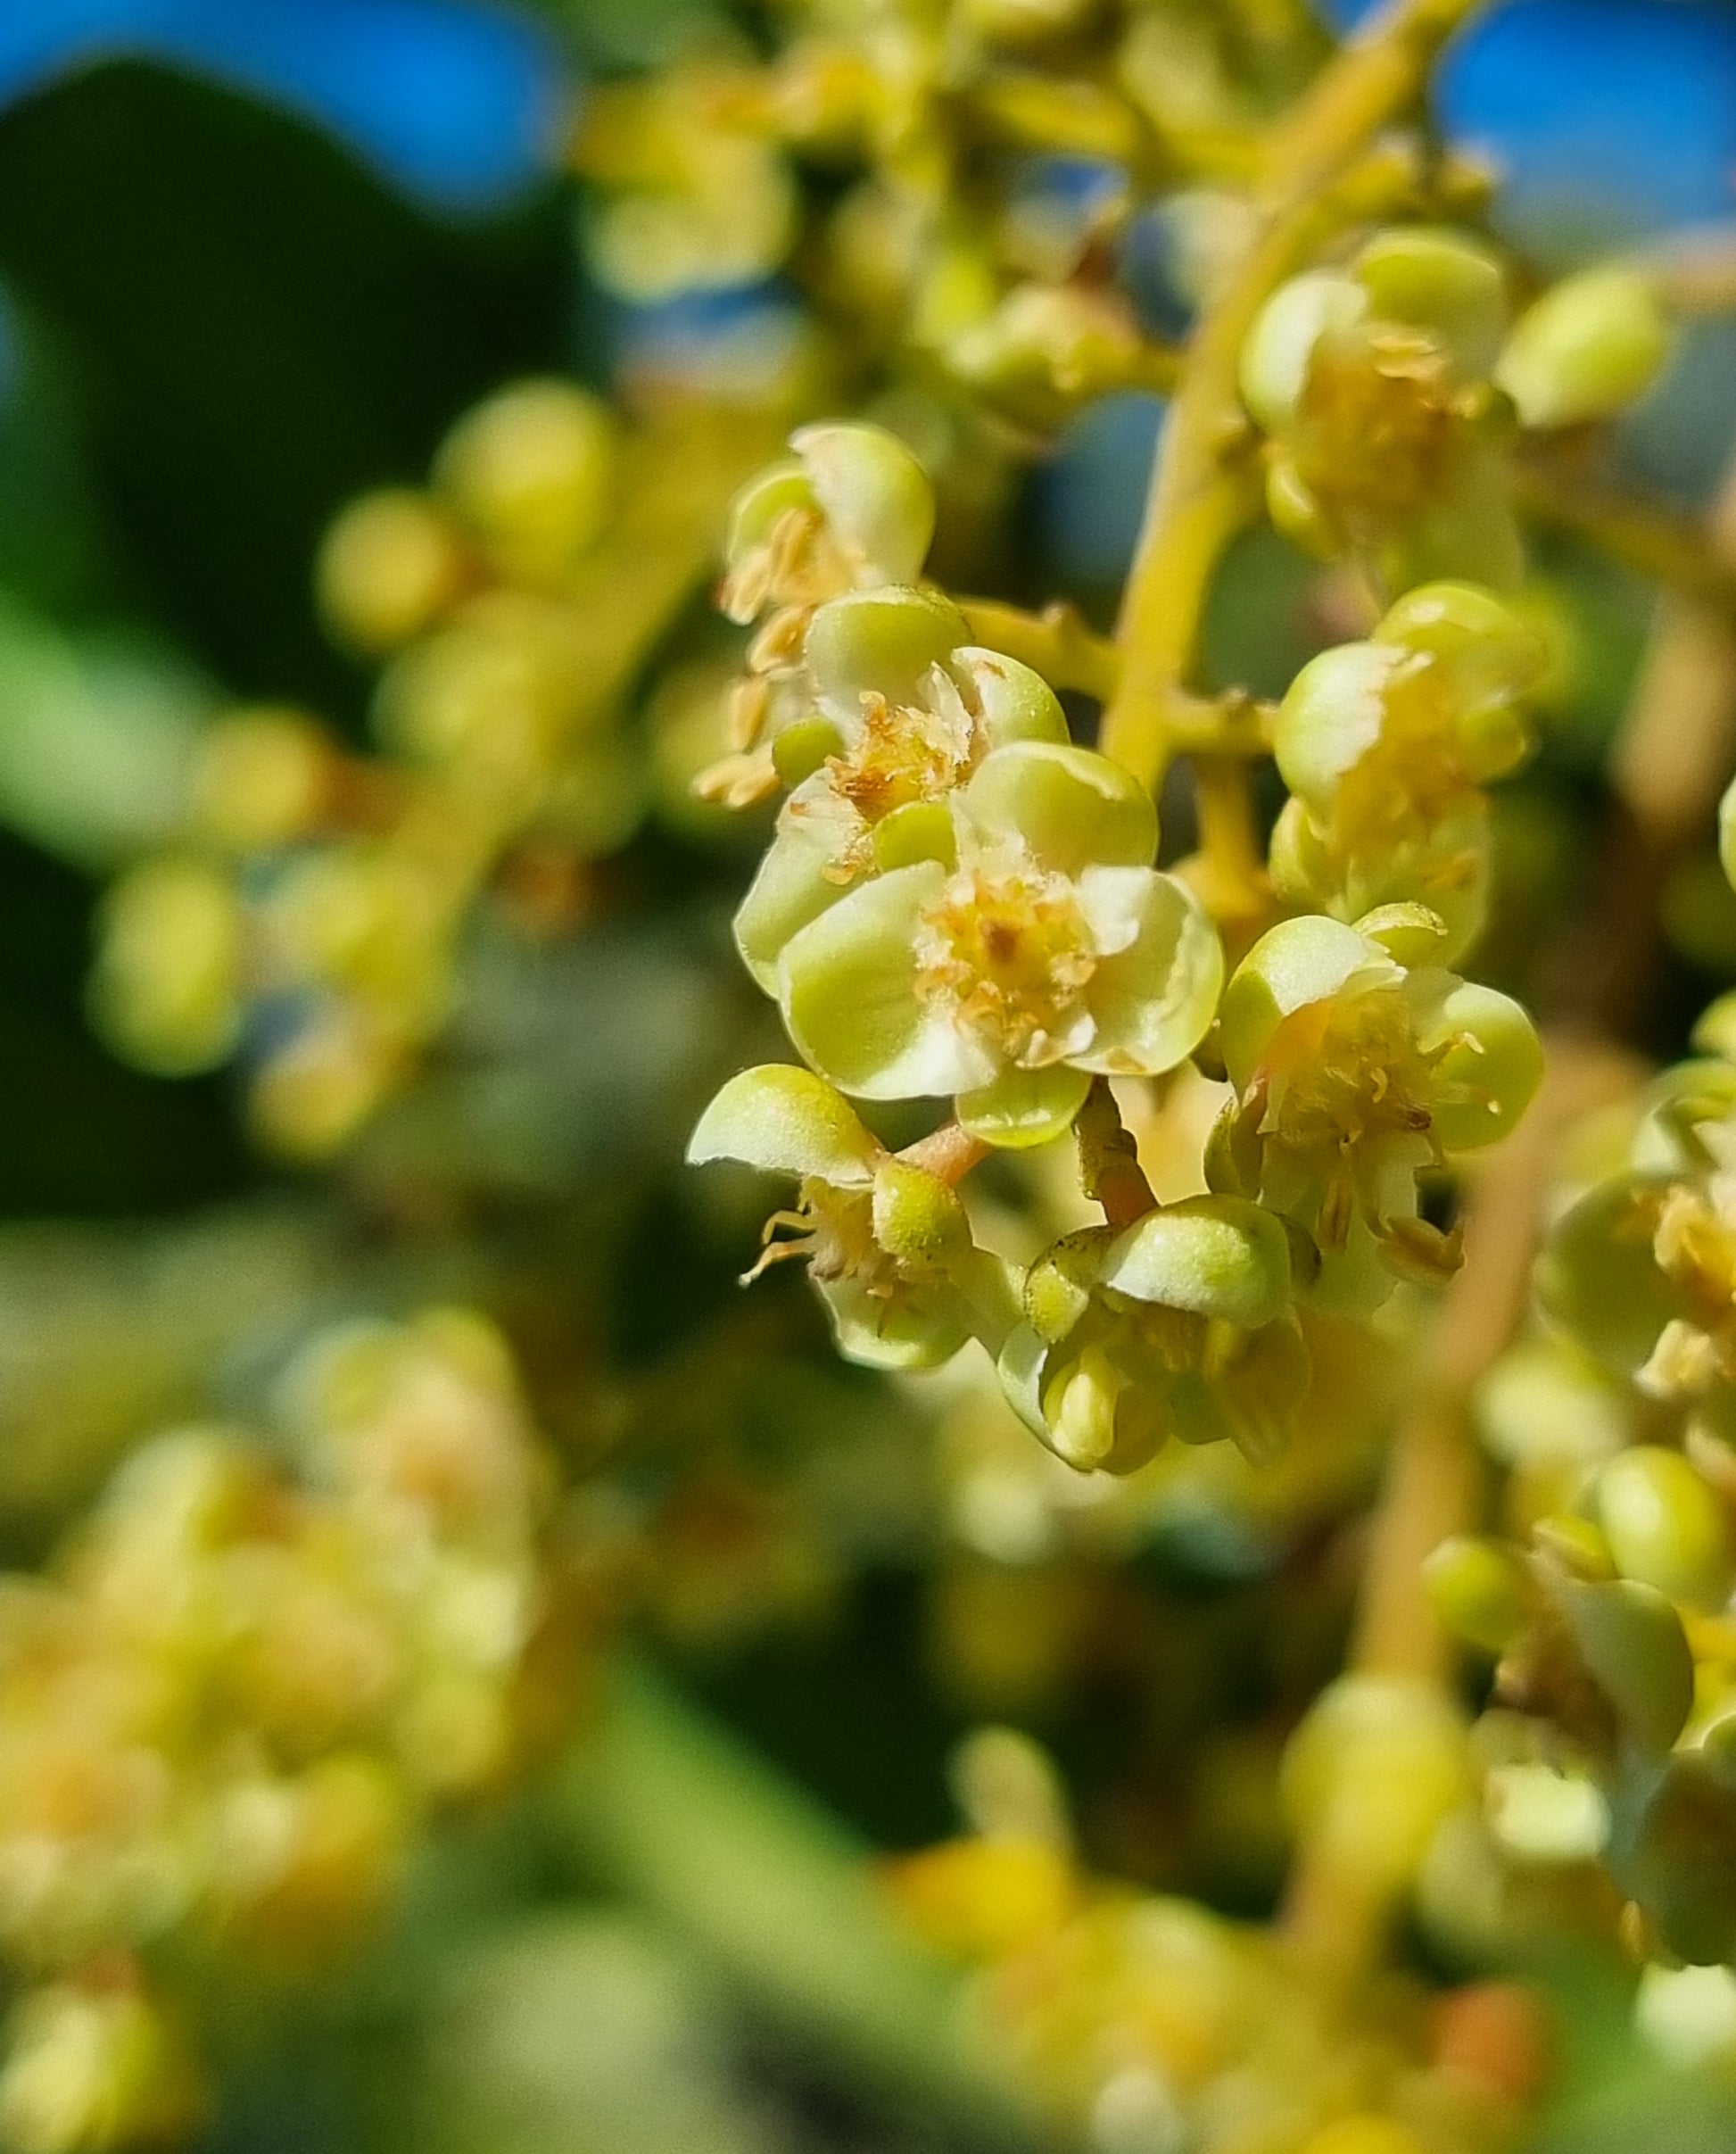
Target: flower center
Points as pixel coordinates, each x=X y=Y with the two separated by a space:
x=1380 y=423
x=902 y=754
x=1014 y=955
x=1347 y=1071
x=833 y=1231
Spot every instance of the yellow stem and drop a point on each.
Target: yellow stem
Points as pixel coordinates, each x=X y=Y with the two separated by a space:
x=1110 y=1172
x=1201 y=491
x=949 y=1152
x=1055 y=643
x=1658 y=542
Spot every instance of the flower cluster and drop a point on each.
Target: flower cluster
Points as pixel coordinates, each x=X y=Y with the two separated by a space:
x=1606 y=1607
x=313 y=916
x=243 y=1684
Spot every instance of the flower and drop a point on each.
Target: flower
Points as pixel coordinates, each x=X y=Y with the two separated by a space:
x=851 y=509
x=1372 y=384
x=1357 y=1068
x=1181 y=1324
x=887 y=1242
x=1385 y=746
x=1039 y=945
x=906 y=710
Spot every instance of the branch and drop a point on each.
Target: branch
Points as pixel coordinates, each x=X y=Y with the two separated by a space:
x=1201 y=487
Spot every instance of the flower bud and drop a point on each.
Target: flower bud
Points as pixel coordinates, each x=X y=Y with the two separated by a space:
x=259 y=778
x=1477 y=1591
x=1218 y=1256
x=169 y=970
x=1664 y=1526
x=387 y=568
x=919 y=1220
x=1589 y=347
x=532 y=472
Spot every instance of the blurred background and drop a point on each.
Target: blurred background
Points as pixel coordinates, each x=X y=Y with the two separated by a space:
x=255 y=257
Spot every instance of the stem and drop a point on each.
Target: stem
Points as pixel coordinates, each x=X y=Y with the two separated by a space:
x=1201 y=490
x=1110 y=1172
x=948 y=1152
x=1056 y=642
x=1229 y=837
x=1657 y=542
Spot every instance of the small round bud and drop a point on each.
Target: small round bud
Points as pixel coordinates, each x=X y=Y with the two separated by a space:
x=1664 y=1526
x=919 y=1220
x=1477 y=1591
x=531 y=472
x=168 y=973
x=259 y=778
x=387 y=568
x=1589 y=347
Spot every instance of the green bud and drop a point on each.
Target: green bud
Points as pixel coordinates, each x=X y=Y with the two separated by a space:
x=1280 y=347
x=798 y=751
x=1664 y=1526
x=786 y=1121
x=532 y=472
x=1441 y=281
x=1217 y=1257
x=1588 y=348
x=919 y=1220
x=1476 y=1589
x=921 y=830
x=1632 y=1641
x=1058 y=1285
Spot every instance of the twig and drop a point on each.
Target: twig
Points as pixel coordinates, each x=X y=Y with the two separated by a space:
x=1202 y=490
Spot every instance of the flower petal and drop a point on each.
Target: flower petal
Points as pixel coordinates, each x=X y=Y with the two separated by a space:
x=1153 y=998
x=1015 y=703
x=1023 y=1109
x=1219 y=1257
x=879 y=642
x=848 y=986
x=798 y=880
x=1071 y=807
x=912 y=1328
x=1297 y=962
x=1488 y=1077
x=786 y=1121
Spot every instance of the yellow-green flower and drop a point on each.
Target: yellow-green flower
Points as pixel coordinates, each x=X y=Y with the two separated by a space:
x=1180 y=1325
x=1036 y=945
x=1386 y=746
x=1372 y=385
x=850 y=510
x=1357 y=1068
x=905 y=712
x=887 y=1242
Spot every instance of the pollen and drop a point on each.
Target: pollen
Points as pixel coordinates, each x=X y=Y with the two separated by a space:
x=1013 y=956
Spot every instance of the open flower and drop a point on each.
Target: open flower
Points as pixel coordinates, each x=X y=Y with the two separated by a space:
x=1642 y=1268
x=1181 y=1324
x=851 y=509
x=1372 y=384
x=886 y=1242
x=905 y=711
x=1037 y=945
x=1385 y=746
x=1356 y=1067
